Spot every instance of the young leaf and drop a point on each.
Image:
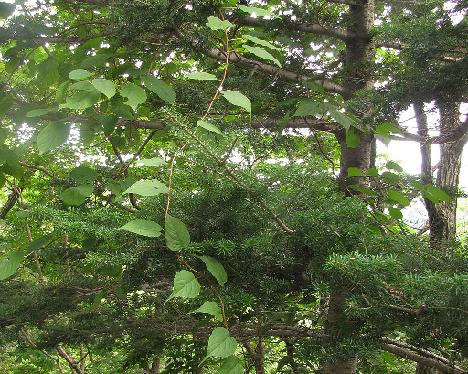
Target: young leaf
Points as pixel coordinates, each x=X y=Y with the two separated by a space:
x=105 y=86
x=352 y=138
x=135 y=95
x=10 y=263
x=238 y=99
x=354 y=172
x=215 y=268
x=147 y=187
x=185 y=285
x=51 y=136
x=79 y=74
x=176 y=233
x=209 y=127
x=259 y=12
x=211 y=308
x=231 y=365
x=261 y=42
x=83 y=174
x=143 y=227
x=155 y=161
x=220 y=344
x=160 y=88
x=202 y=76
x=398 y=197
x=76 y=195
x=262 y=53
x=214 y=23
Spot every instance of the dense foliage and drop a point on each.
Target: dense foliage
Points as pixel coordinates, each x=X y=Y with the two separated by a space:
x=187 y=188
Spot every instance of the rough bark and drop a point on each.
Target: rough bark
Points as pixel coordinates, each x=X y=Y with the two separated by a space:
x=358 y=58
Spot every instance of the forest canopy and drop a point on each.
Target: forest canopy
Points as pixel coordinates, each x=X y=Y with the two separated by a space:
x=197 y=186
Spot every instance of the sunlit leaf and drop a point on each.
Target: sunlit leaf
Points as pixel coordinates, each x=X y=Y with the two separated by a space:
x=185 y=286
x=209 y=127
x=143 y=227
x=10 y=263
x=135 y=95
x=215 y=268
x=239 y=99
x=160 y=88
x=211 y=308
x=176 y=234
x=202 y=76
x=79 y=74
x=214 y=23
x=51 y=136
x=105 y=86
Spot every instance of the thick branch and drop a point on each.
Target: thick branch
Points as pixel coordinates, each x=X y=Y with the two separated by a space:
x=9 y=204
x=71 y=361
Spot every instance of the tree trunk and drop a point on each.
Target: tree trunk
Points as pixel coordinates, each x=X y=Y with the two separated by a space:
x=358 y=67
x=422 y=369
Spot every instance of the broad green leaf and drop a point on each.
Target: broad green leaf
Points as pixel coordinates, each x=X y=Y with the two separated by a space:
x=160 y=88
x=10 y=263
x=343 y=119
x=212 y=308
x=262 y=53
x=259 y=12
x=239 y=99
x=436 y=194
x=143 y=227
x=82 y=86
x=186 y=285
x=354 y=172
x=214 y=23
x=202 y=76
x=40 y=112
x=176 y=233
x=105 y=86
x=352 y=138
x=365 y=190
x=51 y=136
x=231 y=365
x=135 y=95
x=309 y=108
x=391 y=177
x=398 y=197
x=79 y=74
x=147 y=187
x=215 y=268
x=394 y=166
x=261 y=42
x=386 y=129
x=76 y=195
x=221 y=344
x=209 y=127
x=155 y=161
x=373 y=172
x=61 y=93
x=395 y=213
x=83 y=174
x=81 y=100
x=6 y=9
x=39 y=243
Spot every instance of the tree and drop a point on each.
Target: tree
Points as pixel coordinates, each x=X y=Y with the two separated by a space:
x=126 y=120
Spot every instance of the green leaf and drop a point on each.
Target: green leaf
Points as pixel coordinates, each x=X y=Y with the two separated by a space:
x=40 y=112
x=398 y=197
x=354 y=172
x=436 y=194
x=155 y=161
x=352 y=138
x=81 y=100
x=10 y=263
x=135 y=95
x=211 y=308
x=185 y=285
x=395 y=213
x=202 y=76
x=262 y=53
x=82 y=86
x=83 y=174
x=220 y=344
x=76 y=195
x=209 y=127
x=309 y=108
x=51 y=136
x=231 y=365
x=386 y=129
x=6 y=9
x=391 y=177
x=259 y=12
x=365 y=190
x=39 y=243
x=372 y=172
x=343 y=119
x=143 y=227
x=147 y=187
x=160 y=88
x=79 y=74
x=214 y=23
x=105 y=86
x=238 y=99
x=261 y=42
x=176 y=233
x=215 y=268
x=394 y=166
